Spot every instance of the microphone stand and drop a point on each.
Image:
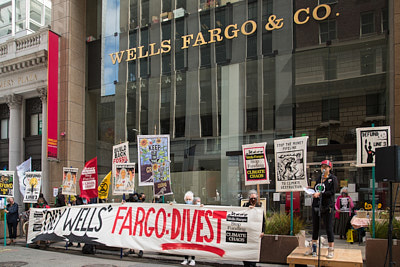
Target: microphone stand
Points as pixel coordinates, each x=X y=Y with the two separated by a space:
x=319 y=221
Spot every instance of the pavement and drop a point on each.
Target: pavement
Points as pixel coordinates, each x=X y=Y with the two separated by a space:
x=18 y=254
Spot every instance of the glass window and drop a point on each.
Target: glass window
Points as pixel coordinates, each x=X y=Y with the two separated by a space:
x=368 y=62
x=206 y=102
x=179 y=53
x=220 y=47
x=133 y=18
x=327 y=2
x=327 y=31
x=205 y=49
x=330 y=109
x=166 y=6
x=166 y=58
x=375 y=104
x=385 y=22
x=106 y=122
x=330 y=68
x=20 y=12
x=252 y=96
x=132 y=63
x=145 y=13
x=181 y=3
x=266 y=35
x=5 y=18
x=36 y=124
x=144 y=107
x=4 y=129
x=367 y=23
x=36 y=11
x=144 y=41
x=180 y=107
x=252 y=38
x=47 y=16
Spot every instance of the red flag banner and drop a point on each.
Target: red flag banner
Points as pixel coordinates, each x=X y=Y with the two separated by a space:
x=52 y=95
x=88 y=181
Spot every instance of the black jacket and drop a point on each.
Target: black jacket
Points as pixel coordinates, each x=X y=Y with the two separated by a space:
x=329 y=187
x=12 y=215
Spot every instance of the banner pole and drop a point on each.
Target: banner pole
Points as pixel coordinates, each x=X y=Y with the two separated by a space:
x=373 y=197
x=5 y=222
x=291 y=209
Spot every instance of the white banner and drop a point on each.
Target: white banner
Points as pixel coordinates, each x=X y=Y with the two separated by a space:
x=290 y=164
x=220 y=232
x=32 y=190
x=124 y=180
x=24 y=167
x=368 y=140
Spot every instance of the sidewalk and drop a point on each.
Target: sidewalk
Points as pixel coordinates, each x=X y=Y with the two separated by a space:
x=160 y=258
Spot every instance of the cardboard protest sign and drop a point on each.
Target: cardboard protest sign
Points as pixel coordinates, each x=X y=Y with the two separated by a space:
x=368 y=140
x=290 y=164
x=69 y=181
x=152 y=149
x=7 y=183
x=255 y=164
x=32 y=190
x=124 y=179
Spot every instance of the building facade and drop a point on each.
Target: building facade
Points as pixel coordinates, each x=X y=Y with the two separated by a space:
x=215 y=75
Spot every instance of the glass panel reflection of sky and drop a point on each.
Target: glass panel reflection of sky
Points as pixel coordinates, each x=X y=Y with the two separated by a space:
x=110 y=44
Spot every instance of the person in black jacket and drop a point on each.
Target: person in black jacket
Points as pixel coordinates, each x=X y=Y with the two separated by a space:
x=253 y=196
x=325 y=189
x=12 y=219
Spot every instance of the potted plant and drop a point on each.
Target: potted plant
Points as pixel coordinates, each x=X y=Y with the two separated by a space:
x=277 y=243
x=376 y=248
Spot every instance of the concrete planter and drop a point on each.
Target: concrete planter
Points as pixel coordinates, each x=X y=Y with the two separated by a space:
x=375 y=252
x=276 y=248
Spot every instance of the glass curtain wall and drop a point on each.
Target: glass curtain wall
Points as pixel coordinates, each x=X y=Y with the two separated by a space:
x=232 y=74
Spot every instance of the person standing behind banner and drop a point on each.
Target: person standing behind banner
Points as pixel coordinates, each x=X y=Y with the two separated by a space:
x=344 y=205
x=188 y=198
x=40 y=204
x=12 y=219
x=253 y=195
x=60 y=199
x=325 y=189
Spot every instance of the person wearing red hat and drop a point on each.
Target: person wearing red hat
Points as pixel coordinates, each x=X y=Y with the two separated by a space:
x=323 y=207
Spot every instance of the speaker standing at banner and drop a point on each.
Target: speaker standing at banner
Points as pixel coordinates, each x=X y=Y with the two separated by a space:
x=323 y=207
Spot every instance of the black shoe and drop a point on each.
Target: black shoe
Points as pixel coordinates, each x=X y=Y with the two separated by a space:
x=70 y=244
x=131 y=251
x=140 y=254
x=79 y=245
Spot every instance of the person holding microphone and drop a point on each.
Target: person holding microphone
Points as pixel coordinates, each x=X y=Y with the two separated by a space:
x=323 y=207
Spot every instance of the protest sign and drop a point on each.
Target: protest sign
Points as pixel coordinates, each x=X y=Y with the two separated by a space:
x=290 y=164
x=32 y=190
x=152 y=149
x=219 y=232
x=124 y=179
x=255 y=164
x=162 y=179
x=88 y=180
x=69 y=181
x=368 y=140
x=7 y=183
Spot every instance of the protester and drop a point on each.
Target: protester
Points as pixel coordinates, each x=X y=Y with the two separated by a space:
x=325 y=189
x=41 y=196
x=197 y=201
x=344 y=206
x=142 y=197
x=40 y=204
x=134 y=198
x=12 y=219
x=60 y=199
x=253 y=202
x=188 y=198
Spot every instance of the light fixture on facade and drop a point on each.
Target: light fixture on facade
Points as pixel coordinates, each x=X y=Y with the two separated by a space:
x=167 y=80
x=178 y=77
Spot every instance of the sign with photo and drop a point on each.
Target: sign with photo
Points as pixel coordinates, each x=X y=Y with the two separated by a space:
x=290 y=164
x=368 y=140
x=124 y=179
x=152 y=149
x=162 y=178
x=7 y=183
x=69 y=181
x=255 y=162
x=32 y=190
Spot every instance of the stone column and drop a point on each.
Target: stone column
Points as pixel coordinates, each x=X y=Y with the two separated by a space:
x=14 y=102
x=45 y=179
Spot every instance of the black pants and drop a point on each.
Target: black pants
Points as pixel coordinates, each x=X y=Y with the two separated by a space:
x=327 y=217
x=249 y=264
x=12 y=230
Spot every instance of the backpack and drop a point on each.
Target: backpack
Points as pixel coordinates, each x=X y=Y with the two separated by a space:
x=88 y=249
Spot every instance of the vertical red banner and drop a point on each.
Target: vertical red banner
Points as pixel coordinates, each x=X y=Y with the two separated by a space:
x=89 y=179
x=52 y=95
